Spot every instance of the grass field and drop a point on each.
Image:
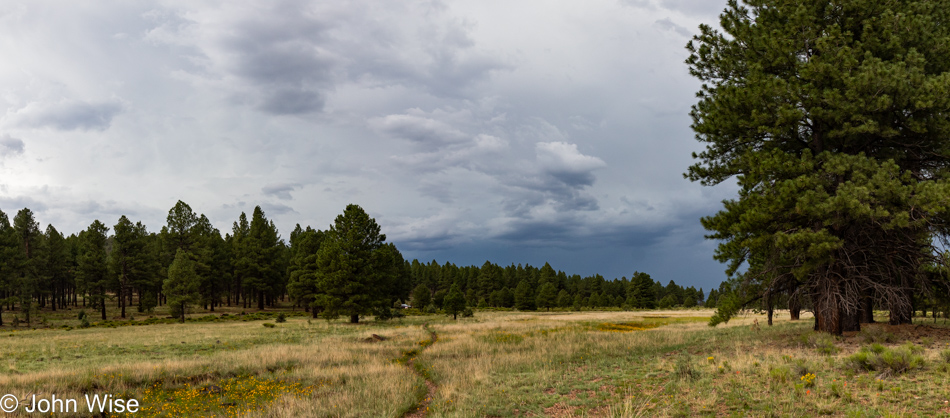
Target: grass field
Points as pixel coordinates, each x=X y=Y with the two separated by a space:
x=618 y=364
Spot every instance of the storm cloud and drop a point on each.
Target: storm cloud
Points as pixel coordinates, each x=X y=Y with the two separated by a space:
x=518 y=133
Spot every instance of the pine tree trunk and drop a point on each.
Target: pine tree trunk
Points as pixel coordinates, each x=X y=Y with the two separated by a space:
x=122 y=300
x=794 y=307
x=260 y=300
x=901 y=309
x=354 y=319
x=102 y=302
x=827 y=314
x=867 y=310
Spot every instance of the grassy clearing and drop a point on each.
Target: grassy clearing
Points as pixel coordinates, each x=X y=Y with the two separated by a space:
x=618 y=364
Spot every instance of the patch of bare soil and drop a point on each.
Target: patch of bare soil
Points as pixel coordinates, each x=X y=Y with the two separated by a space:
x=375 y=339
x=915 y=333
x=559 y=410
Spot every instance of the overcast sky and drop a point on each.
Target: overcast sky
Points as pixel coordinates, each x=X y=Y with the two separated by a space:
x=515 y=132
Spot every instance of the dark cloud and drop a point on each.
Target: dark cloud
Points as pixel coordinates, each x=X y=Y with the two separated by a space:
x=273 y=209
x=280 y=190
x=667 y=24
x=418 y=128
x=68 y=115
x=287 y=57
x=12 y=204
x=10 y=146
x=474 y=132
x=710 y=8
x=280 y=53
x=565 y=163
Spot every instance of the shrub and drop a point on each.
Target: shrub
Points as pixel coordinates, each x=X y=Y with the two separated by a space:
x=875 y=335
x=876 y=357
x=684 y=368
x=945 y=355
x=822 y=342
x=802 y=367
x=467 y=313
x=85 y=322
x=268 y=325
x=82 y=314
x=780 y=373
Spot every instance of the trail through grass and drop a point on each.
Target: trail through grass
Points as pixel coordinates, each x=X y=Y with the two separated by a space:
x=504 y=364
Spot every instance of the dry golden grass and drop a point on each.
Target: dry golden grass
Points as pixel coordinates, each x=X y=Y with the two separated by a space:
x=618 y=364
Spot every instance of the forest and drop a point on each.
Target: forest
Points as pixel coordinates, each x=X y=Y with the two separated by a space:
x=347 y=269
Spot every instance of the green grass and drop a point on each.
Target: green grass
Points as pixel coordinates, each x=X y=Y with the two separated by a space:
x=499 y=363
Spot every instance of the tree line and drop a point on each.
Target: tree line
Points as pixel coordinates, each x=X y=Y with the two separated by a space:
x=347 y=269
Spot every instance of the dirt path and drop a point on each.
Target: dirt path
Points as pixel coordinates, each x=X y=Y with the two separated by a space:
x=422 y=409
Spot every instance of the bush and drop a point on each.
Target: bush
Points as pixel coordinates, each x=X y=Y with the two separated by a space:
x=780 y=373
x=281 y=318
x=268 y=325
x=945 y=355
x=875 y=335
x=467 y=313
x=822 y=342
x=82 y=314
x=85 y=322
x=887 y=361
x=684 y=368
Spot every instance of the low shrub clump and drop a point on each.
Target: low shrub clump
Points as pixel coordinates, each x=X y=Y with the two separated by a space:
x=685 y=369
x=822 y=342
x=887 y=361
x=870 y=335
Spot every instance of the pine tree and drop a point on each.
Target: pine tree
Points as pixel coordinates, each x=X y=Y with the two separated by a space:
x=834 y=118
x=524 y=297
x=641 y=291
x=27 y=262
x=259 y=261
x=547 y=296
x=422 y=296
x=130 y=258
x=8 y=254
x=454 y=302
x=349 y=279
x=564 y=299
x=302 y=284
x=54 y=267
x=94 y=264
x=181 y=287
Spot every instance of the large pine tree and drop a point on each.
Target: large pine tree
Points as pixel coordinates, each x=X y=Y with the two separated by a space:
x=835 y=118
x=349 y=279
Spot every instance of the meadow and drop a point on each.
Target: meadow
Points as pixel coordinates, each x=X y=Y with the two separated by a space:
x=497 y=364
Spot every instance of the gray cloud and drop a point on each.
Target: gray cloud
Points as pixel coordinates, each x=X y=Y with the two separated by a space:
x=68 y=115
x=276 y=209
x=562 y=161
x=15 y=203
x=667 y=24
x=287 y=57
x=280 y=190
x=704 y=8
x=469 y=131
x=10 y=146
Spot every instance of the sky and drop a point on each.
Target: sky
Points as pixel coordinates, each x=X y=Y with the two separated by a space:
x=471 y=130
